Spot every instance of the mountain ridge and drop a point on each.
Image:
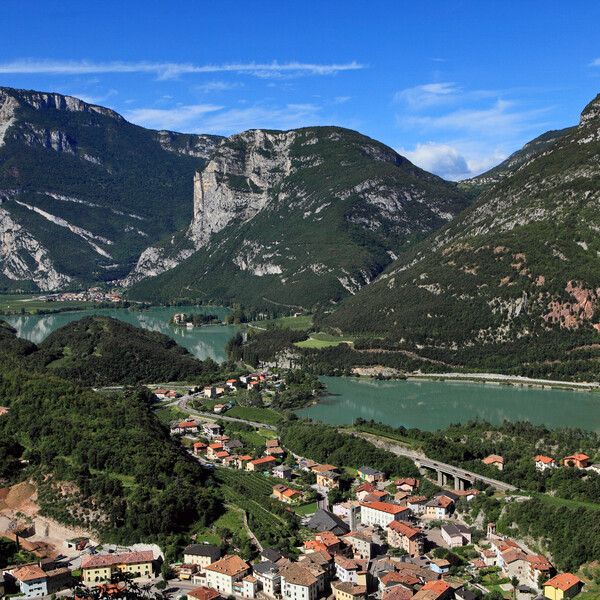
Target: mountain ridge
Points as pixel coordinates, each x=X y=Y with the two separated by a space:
x=266 y=206
x=520 y=264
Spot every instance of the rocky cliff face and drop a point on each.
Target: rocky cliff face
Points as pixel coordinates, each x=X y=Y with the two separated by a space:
x=522 y=263
x=88 y=188
x=24 y=258
x=268 y=203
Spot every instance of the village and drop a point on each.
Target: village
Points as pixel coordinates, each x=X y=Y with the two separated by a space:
x=367 y=534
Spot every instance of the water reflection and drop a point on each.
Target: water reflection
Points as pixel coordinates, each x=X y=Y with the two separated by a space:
x=202 y=342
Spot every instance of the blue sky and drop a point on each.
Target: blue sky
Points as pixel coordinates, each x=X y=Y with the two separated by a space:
x=455 y=86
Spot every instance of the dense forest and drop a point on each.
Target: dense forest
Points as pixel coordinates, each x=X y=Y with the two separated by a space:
x=102 y=351
x=101 y=460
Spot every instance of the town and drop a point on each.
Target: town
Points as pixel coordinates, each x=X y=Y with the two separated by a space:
x=365 y=534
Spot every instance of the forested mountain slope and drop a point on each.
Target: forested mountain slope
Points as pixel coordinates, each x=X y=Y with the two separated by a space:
x=301 y=218
x=515 y=279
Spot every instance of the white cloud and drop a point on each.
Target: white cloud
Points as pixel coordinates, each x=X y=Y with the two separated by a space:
x=595 y=63
x=449 y=162
x=178 y=118
x=341 y=99
x=209 y=118
x=501 y=119
x=235 y=120
x=440 y=159
x=216 y=86
x=93 y=99
x=166 y=70
x=429 y=94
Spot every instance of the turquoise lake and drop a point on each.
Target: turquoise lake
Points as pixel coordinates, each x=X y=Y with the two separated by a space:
x=431 y=405
x=202 y=342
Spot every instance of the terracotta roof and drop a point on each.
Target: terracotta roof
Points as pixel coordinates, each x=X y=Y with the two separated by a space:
x=199 y=445
x=564 y=581
x=229 y=565
x=347 y=587
x=328 y=538
x=250 y=579
x=391 y=509
x=321 y=468
x=297 y=575
x=379 y=494
x=366 y=487
x=223 y=454
x=397 y=592
x=245 y=457
x=577 y=457
x=216 y=446
x=346 y=563
x=539 y=562
x=407 y=481
x=439 y=586
x=395 y=577
x=290 y=492
x=262 y=461
x=204 y=593
x=272 y=443
x=315 y=545
x=416 y=499
x=493 y=458
x=188 y=424
x=404 y=529
x=29 y=573
x=544 y=459
x=106 y=560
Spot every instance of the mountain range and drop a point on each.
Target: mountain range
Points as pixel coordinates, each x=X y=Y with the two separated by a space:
x=83 y=192
x=321 y=218
x=522 y=263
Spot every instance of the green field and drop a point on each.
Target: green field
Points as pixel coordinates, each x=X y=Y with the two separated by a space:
x=306 y=509
x=260 y=415
x=16 y=304
x=314 y=343
x=297 y=323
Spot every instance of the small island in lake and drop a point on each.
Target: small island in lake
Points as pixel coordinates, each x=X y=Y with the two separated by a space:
x=183 y=320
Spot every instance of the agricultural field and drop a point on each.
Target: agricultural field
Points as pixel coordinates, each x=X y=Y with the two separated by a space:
x=300 y=323
x=260 y=415
x=28 y=304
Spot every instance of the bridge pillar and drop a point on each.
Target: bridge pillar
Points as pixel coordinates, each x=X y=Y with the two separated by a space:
x=444 y=479
x=459 y=484
x=439 y=478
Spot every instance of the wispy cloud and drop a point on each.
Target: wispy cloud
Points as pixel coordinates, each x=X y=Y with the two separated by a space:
x=208 y=118
x=429 y=94
x=341 y=99
x=503 y=116
x=167 y=70
x=217 y=86
x=178 y=118
x=595 y=63
x=96 y=99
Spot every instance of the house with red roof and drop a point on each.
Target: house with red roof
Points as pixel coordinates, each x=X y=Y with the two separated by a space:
x=200 y=448
x=544 y=462
x=261 y=464
x=186 y=427
x=382 y=513
x=402 y=535
x=565 y=585
x=495 y=461
x=434 y=590
x=580 y=461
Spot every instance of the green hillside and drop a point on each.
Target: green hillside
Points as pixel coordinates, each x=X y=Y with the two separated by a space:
x=513 y=283
x=333 y=209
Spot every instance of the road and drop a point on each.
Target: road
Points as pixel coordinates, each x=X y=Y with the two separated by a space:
x=422 y=461
x=183 y=405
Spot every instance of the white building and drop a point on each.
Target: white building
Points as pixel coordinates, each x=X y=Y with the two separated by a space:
x=382 y=513
x=297 y=583
x=223 y=574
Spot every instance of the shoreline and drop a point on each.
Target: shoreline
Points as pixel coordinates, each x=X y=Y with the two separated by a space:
x=502 y=379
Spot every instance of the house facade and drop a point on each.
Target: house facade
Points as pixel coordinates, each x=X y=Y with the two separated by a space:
x=382 y=513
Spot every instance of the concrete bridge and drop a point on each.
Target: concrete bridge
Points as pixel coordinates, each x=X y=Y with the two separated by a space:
x=462 y=478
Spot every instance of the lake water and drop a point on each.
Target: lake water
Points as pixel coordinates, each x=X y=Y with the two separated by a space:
x=202 y=342
x=431 y=405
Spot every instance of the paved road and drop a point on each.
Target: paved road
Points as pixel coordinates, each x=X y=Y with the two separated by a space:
x=422 y=461
x=183 y=405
